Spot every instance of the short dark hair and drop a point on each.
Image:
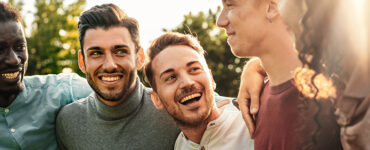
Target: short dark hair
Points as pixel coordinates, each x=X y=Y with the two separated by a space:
x=9 y=13
x=106 y=16
x=159 y=44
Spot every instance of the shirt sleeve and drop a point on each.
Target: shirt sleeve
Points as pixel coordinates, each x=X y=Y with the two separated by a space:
x=219 y=98
x=79 y=87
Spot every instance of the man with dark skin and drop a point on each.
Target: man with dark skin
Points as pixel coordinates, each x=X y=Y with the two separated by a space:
x=29 y=104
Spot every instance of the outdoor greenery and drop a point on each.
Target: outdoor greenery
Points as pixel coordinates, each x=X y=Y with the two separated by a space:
x=53 y=42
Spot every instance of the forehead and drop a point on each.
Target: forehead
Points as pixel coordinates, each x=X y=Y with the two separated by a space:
x=176 y=57
x=10 y=31
x=107 y=38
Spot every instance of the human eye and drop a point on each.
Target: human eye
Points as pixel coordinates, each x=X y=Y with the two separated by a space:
x=195 y=69
x=122 y=51
x=20 y=47
x=170 y=78
x=95 y=53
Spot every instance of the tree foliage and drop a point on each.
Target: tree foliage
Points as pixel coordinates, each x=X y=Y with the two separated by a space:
x=226 y=68
x=53 y=44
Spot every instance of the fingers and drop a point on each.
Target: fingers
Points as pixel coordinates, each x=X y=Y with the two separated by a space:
x=243 y=106
x=255 y=103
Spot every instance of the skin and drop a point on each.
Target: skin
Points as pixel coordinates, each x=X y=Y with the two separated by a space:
x=181 y=71
x=245 y=25
x=110 y=63
x=255 y=28
x=13 y=61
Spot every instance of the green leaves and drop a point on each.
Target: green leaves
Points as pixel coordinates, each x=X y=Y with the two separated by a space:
x=53 y=44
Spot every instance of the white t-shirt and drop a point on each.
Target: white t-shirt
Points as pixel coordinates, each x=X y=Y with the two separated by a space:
x=227 y=132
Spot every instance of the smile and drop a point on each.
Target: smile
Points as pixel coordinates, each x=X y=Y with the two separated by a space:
x=190 y=98
x=110 y=79
x=10 y=75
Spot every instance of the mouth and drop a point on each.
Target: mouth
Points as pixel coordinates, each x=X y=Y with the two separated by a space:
x=230 y=33
x=110 y=78
x=11 y=75
x=190 y=98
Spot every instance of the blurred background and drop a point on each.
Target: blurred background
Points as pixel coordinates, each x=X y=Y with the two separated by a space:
x=52 y=36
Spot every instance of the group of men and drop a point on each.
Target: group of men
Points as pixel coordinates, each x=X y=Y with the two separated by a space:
x=179 y=112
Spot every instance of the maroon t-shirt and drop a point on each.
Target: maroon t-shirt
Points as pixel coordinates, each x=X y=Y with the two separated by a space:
x=284 y=122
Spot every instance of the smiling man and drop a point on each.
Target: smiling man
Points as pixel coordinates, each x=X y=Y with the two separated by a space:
x=119 y=114
x=256 y=28
x=183 y=85
x=29 y=104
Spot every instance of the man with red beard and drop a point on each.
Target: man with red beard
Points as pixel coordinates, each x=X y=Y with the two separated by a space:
x=183 y=85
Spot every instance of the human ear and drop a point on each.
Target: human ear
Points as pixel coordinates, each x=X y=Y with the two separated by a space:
x=272 y=10
x=212 y=80
x=81 y=62
x=140 y=59
x=157 y=102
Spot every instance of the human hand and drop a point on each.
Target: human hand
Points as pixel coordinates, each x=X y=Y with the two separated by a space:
x=252 y=80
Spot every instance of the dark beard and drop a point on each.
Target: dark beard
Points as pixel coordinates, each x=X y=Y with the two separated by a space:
x=112 y=97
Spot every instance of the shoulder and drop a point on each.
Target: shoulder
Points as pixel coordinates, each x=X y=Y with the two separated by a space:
x=51 y=79
x=74 y=109
x=182 y=143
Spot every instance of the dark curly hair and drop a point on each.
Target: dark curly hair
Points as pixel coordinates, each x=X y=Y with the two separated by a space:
x=9 y=13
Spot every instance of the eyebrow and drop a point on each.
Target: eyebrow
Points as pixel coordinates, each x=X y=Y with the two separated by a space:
x=191 y=63
x=94 y=48
x=166 y=71
x=172 y=70
x=114 y=47
x=120 y=46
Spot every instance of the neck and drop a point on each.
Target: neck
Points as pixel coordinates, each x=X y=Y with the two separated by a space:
x=281 y=57
x=7 y=99
x=195 y=134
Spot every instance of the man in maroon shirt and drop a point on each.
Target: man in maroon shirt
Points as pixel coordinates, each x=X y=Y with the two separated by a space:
x=255 y=28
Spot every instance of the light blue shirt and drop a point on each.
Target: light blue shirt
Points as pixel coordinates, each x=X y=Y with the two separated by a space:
x=29 y=121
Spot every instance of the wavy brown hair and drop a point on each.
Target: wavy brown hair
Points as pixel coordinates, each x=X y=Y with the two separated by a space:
x=327 y=54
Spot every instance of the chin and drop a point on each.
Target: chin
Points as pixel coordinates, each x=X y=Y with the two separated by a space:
x=13 y=89
x=237 y=52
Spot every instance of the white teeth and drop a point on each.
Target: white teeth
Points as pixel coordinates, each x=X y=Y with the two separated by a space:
x=110 y=79
x=10 y=75
x=189 y=97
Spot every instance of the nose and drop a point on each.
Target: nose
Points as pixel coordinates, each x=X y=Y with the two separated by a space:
x=186 y=81
x=109 y=63
x=13 y=58
x=222 y=20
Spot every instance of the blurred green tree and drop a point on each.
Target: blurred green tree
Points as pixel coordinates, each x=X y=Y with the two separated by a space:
x=226 y=68
x=53 y=43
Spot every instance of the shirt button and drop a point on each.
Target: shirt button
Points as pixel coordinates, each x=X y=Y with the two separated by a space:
x=12 y=130
x=6 y=110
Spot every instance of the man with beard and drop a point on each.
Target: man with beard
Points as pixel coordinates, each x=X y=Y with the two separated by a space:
x=183 y=85
x=119 y=114
x=29 y=104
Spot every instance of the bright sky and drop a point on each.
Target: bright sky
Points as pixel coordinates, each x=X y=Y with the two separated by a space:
x=153 y=15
